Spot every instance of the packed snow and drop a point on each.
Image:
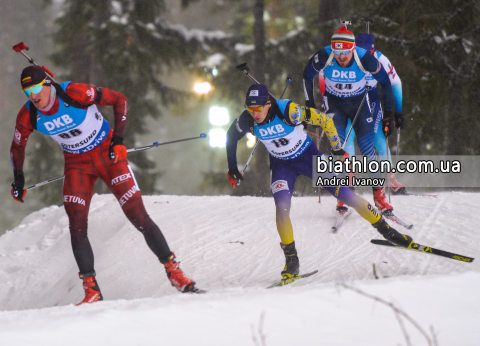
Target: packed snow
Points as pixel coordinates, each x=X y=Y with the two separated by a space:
x=230 y=247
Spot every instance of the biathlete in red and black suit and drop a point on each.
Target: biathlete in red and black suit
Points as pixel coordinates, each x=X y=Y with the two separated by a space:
x=68 y=113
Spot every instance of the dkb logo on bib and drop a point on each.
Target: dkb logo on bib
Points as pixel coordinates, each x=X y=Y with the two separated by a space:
x=272 y=130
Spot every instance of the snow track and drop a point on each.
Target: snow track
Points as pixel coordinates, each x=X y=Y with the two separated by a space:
x=230 y=246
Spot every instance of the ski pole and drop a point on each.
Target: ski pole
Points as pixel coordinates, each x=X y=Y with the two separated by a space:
x=398 y=142
x=289 y=80
x=44 y=183
x=319 y=140
x=367 y=23
x=367 y=89
x=249 y=159
x=20 y=47
x=156 y=144
x=129 y=151
x=388 y=173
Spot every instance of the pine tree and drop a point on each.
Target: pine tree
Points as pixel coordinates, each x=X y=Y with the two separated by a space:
x=434 y=46
x=125 y=46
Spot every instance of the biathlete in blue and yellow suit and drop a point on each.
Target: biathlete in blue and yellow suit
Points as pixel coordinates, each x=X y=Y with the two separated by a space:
x=345 y=68
x=278 y=125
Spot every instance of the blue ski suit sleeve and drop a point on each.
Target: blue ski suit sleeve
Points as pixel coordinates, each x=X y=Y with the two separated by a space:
x=397 y=96
x=372 y=65
x=315 y=64
x=238 y=129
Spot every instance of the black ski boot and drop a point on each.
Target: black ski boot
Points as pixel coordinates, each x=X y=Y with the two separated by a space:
x=392 y=235
x=292 y=264
x=399 y=192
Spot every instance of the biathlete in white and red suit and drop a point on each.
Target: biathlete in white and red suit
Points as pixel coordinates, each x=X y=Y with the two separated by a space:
x=345 y=66
x=278 y=125
x=367 y=42
x=68 y=113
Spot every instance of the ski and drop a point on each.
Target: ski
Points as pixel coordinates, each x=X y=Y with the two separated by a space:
x=389 y=215
x=197 y=290
x=426 y=249
x=288 y=281
x=419 y=194
x=340 y=218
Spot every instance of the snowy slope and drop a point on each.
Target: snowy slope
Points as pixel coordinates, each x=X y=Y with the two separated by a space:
x=230 y=246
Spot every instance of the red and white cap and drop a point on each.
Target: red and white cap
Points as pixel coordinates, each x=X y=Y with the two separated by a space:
x=343 y=41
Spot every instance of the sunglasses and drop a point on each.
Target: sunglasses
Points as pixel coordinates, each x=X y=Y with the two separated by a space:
x=256 y=108
x=35 y=89
x=340 y=52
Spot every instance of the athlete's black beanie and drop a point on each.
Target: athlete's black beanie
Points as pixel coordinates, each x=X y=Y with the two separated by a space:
x=32 y=75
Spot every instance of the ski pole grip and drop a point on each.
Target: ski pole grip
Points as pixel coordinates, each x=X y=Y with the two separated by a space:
x=19 y=47
x=242 y=67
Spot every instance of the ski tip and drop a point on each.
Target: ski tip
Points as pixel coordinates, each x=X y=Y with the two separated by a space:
x=287 y=281
x=197 y=290
x=381 y=242
x=410 y=226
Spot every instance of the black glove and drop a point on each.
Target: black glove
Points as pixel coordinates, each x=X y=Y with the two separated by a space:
x=18 y=192
x=234 y=176
x=387 y=123
x=310 y=104
x=340 y=154
x=399 y=120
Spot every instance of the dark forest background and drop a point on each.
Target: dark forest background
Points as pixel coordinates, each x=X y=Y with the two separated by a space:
x=136 y=47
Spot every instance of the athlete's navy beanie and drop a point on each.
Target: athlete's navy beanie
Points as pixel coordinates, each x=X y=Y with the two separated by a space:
x=365 y=41
x=257 y=95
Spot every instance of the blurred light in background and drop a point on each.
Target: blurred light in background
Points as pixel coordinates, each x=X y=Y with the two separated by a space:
x=202 y=88
x=218 y=116
x=217 y=138
x=215 y=72
x=250 y=140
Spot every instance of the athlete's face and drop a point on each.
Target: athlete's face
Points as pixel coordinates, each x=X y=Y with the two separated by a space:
x=342 y=59
x=41 y=99
x=260 y=116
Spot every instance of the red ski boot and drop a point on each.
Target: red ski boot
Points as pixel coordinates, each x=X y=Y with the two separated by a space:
x=92 y=291
x=176 y=276
x=341 y=207
x=380 y=200
x=395 y=186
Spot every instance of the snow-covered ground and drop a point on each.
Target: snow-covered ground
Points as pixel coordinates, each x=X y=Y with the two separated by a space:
x=230 y=246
